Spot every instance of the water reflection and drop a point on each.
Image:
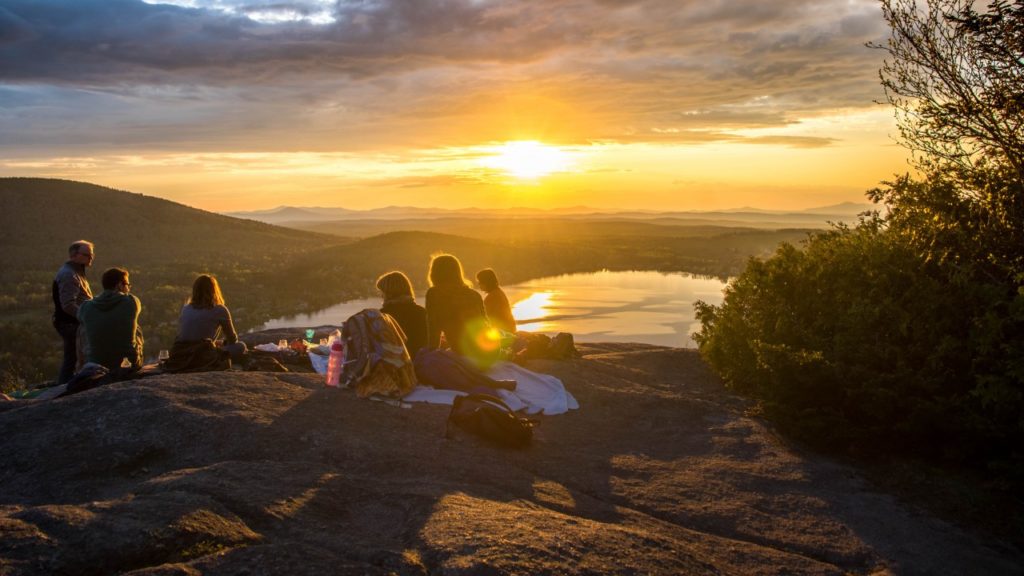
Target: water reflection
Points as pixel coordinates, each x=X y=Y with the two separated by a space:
x=533 y=309
x=645 y=307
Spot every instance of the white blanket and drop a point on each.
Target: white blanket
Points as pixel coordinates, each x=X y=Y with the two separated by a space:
x=535 y=393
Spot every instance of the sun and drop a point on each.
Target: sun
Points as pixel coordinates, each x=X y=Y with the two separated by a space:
x=528 y=159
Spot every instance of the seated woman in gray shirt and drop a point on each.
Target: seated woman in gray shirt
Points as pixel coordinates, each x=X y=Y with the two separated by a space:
x=205 y=316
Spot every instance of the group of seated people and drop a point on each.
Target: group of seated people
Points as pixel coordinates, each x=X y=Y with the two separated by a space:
x=452 y=307
x=110 y=322
x=106 y=329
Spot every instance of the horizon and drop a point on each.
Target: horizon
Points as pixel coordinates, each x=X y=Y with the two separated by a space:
x=566 y=209
x=643 y=105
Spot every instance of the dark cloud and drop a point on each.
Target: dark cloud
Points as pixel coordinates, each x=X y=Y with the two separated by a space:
x=12 y=28
x=99 y=41
x=102 y=41
x=112 y=73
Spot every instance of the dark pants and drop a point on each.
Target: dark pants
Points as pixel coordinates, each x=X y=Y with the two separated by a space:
x=237 y=350
x=450 y=371
x=69 y=332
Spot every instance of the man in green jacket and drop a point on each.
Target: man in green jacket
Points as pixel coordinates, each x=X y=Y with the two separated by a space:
x=111 y=322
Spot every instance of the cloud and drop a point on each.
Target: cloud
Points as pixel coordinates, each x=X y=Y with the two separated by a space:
x=373 y=74
x=438 y=181
x=12 y=28
x=100 y=41
x=791 y=141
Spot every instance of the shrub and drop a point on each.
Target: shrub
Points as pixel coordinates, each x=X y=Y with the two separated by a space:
x=858 y=343
x=906 y=333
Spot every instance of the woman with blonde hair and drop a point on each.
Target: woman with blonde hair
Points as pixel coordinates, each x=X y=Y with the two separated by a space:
x=400 y=304
x=453 y=308
x=205 y=316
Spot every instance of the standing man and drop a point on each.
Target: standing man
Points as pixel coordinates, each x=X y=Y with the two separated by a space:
x=70 y=290
x=111 y=323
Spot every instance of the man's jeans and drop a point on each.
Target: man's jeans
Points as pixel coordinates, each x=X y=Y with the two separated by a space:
x=69 y=332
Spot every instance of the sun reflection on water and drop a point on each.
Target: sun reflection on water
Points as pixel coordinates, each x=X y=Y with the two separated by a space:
x=533 y=309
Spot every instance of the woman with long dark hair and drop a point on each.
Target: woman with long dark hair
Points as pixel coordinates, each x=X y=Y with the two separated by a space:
x=454 y=310
x=205 y=316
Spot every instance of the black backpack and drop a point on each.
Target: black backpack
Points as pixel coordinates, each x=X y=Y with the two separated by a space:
x=490 y=418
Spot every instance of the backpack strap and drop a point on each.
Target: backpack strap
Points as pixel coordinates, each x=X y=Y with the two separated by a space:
x=492 y=399
x=489 y=398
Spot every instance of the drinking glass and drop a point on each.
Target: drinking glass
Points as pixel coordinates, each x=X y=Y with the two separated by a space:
x=309 y=334
x=323 y=341
x=163 y=355
x=282 y=343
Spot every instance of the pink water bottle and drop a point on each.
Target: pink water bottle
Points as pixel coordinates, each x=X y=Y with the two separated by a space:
x=335 y=363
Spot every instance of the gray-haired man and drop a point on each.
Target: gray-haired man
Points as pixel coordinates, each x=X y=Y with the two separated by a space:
x=70 y=290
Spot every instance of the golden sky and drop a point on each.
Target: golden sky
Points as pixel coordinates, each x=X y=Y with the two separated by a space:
x=646 y=104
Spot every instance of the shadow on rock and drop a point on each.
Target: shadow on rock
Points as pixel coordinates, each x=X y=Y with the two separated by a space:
x=660 y=471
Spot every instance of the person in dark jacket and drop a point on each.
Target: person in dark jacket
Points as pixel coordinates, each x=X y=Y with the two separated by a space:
x=400 y=304
x=455 y=310
x=205 y=316
x=111 y=323
x=70 y=290
x=499 y=311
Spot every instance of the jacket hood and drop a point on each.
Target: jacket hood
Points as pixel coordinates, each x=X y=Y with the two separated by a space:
x=109 y=299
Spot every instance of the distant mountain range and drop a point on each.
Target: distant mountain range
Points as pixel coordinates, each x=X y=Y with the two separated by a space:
x=321 y=213
x=301 y=217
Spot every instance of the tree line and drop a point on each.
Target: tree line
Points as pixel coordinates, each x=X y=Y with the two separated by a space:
x=271 y=279
x=904 y=334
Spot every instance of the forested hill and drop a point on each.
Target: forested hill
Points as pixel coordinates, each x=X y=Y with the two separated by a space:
x=162 y=244
x=268 y=271
x=40 y=217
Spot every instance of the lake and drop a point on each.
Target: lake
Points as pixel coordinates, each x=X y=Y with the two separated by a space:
x=638 y=306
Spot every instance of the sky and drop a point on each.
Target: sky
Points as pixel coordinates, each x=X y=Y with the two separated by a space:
x=617 y=104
